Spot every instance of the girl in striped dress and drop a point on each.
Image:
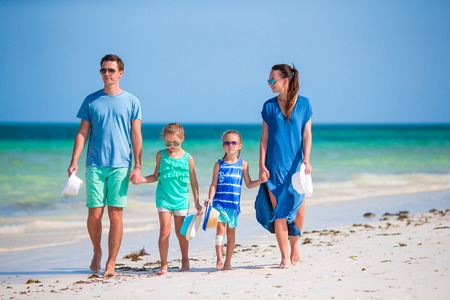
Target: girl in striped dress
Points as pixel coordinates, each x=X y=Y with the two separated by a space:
x=225 y=194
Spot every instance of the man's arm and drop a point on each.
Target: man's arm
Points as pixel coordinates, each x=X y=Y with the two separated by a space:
x=80 y=141
x=136 y=142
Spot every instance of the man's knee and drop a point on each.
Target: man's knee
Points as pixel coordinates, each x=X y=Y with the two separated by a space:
x=115 y=215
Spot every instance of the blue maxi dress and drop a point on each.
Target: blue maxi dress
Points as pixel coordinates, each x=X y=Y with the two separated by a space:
x=284 y=156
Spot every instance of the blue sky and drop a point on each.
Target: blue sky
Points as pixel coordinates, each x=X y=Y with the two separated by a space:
x=208 y=61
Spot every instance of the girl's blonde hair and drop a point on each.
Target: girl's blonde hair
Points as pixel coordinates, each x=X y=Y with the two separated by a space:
x=240 y=140
x=173 y=128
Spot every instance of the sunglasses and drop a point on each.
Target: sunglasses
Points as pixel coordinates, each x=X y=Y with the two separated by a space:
x=271 y=81
x=168 y=144
x=227 y=143
x=110 y=71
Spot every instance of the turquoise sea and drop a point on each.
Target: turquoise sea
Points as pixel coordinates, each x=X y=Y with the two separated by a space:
x=349 y=162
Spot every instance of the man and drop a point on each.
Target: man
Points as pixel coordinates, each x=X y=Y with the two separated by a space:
x=111 y=118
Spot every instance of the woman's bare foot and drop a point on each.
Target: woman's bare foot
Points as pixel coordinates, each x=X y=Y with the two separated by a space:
x=226 y=267
x=295 y=252
x=219 y=264
x=96 y=263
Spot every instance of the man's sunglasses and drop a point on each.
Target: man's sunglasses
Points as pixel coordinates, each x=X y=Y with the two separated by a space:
x=110 y=71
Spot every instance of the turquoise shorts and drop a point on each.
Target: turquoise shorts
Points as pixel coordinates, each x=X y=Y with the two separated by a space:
x=107 y=186
x=227 y=215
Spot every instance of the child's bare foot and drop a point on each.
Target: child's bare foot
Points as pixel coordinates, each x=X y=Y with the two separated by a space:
x=96 y=262
x=185 y=265
x=219 y=264
x=185 y=268
x=163 y=270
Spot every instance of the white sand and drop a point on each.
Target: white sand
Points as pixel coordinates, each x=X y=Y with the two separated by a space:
x=385 y=259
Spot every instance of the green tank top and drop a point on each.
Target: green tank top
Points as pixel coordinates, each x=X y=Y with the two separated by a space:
x=172 y=191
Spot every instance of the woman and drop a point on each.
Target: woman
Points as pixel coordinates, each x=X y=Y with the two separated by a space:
x=285 y=144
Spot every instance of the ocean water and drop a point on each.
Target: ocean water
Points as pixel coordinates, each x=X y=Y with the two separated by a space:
x=349 y=162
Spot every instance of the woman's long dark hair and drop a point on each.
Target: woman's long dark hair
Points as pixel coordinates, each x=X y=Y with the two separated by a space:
x=291 y=73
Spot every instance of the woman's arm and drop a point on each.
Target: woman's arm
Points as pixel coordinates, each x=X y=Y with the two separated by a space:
x=263 y=172
x=307 y=145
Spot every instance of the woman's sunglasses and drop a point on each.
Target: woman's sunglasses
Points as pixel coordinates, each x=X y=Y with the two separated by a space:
x=271 y=81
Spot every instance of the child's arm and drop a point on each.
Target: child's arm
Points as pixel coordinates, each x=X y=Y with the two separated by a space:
x=213 y=187
x=154 y=176
x=194 y=185
x=248 y=181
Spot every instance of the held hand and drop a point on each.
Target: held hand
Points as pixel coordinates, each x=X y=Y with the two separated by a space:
x=136 y=176
x=264 y=174
x=263 y=178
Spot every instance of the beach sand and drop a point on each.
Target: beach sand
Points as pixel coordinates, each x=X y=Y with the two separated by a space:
x=401 y=255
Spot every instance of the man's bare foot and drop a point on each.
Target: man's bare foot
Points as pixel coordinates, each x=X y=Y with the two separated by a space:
x=295 y=252
x=110 y=274
x=219 y=264
x=284 y=264
x=96 y=263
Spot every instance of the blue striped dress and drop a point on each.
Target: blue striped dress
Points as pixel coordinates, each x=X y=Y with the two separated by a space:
x=227 y=198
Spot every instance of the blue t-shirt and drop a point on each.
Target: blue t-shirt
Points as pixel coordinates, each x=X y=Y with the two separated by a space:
x=110 y=134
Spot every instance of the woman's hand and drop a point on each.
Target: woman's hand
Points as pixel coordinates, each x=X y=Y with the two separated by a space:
x=308 y=169
x=264 y=174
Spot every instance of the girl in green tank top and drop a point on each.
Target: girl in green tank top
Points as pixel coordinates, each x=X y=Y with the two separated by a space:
x=174 y=171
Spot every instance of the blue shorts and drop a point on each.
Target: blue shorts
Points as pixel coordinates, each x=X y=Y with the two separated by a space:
x=107 y=186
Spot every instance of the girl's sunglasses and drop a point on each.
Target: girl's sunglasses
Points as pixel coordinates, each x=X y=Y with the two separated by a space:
x=227 y=143
x=168 y=144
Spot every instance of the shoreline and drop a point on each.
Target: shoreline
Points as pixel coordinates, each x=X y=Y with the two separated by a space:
x=399 y=256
